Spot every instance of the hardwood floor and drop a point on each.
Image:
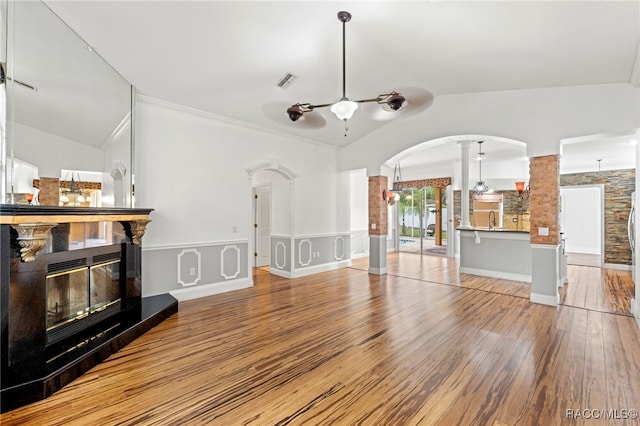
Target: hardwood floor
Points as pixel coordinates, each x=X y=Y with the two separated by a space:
x=345 y=347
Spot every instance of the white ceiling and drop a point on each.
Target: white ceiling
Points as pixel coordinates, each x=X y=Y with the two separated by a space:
x=225 y=58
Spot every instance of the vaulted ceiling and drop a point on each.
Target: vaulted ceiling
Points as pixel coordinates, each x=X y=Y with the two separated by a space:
x=226 y=57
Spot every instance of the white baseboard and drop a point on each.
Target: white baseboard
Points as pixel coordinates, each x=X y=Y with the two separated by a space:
x=210 y=289
x=496 y=274
x=280 y=272
x=544 y=299
x=618 y=266
x=315 y=269
x=635 y=310
x=359 y=255
x=377 y=271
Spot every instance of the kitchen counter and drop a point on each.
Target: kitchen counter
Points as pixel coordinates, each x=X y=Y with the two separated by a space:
x=497 y=253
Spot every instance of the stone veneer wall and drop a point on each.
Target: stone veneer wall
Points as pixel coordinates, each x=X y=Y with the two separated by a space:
x=512 y=208
x=618 y=186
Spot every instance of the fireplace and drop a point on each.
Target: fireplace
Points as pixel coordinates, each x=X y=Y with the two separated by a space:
x=83 y=288
x=70 y=294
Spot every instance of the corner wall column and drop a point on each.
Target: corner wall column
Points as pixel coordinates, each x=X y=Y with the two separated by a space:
x=464 y=183
x=377 y=225
x=544 y=201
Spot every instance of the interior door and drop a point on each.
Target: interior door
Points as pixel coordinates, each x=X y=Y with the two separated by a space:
x=262 y=198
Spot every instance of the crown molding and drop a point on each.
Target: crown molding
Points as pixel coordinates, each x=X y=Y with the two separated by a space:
x=230 y=121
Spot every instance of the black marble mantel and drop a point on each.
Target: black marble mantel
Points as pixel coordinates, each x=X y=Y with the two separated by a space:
x=30 y=369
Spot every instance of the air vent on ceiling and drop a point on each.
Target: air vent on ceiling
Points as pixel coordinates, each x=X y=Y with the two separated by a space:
x=286 y=80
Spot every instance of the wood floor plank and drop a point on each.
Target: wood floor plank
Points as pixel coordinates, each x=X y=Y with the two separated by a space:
x=421 y=345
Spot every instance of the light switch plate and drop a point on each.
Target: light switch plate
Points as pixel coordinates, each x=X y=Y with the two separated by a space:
x=543 y=231
x=373 y=226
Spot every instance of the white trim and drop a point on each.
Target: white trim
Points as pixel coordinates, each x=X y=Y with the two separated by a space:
x=273 y=166
x=300 y=252
x=189 y=245
x=124 y=124
x=495 y=235
x=210 y=289
x=281 y=273
x=227 y=120
x=282 y=237
x=634 y=77
x=284 y=254
x=335 y=248
x=496 y=274
x=352 y=241
x=545 y=246
x=199 y=268
x=229 y=277
x=337 y=234
x=544 y=299
x=359 y=255
x=377 y=271
x=618 y=266
x=635 y=310
x=365 y=243
x=315 y=269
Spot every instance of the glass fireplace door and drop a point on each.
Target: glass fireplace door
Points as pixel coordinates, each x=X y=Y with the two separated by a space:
x=105 y=285
x=67 y=297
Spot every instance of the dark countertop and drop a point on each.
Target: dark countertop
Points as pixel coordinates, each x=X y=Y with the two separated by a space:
x=514 y=231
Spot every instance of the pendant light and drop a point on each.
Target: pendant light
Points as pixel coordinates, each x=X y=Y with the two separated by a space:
x=480 y=187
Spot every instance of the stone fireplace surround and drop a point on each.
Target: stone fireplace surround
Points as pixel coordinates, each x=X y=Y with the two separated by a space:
x=32 y=368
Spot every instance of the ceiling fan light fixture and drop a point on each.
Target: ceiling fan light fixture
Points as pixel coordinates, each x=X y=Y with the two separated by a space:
x=294 y=112
x=395 y=100
x=344 y=109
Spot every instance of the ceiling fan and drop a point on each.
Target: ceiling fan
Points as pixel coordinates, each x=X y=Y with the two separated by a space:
x=344 y=108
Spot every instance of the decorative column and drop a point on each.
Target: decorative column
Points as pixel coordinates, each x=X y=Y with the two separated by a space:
x=378 y=225
x=544 y=201
x=464 y=184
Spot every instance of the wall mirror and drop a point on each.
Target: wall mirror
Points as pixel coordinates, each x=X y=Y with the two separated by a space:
x=67 y=114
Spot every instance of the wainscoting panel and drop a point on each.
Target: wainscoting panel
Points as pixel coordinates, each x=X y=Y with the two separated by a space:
x=199 y=268
x=319 y=253
x=280 y=254
x=359 y=243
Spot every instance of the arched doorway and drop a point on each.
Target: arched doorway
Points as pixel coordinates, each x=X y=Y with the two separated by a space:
x=272 y=220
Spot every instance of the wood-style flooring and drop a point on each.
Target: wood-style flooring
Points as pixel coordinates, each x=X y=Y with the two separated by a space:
x=425 y=346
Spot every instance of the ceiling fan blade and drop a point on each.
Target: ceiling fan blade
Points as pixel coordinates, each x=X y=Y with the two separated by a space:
x=417 y=100
x=277 y=111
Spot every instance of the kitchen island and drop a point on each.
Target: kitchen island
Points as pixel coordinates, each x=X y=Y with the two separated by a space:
x=497 y=253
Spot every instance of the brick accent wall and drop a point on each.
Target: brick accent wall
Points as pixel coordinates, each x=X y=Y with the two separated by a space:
x=377 y=205
x=49 y=194
x=618 y=186
x=544 y=177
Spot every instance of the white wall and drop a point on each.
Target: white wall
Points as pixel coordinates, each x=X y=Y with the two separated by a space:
x=359 y=195
x=581 y=219
x=44 y=150
x=192 y=167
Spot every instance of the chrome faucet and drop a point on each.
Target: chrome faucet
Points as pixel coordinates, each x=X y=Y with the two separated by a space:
x=492 y=215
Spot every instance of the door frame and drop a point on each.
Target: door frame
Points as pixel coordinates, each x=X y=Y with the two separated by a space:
x=255 y=210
